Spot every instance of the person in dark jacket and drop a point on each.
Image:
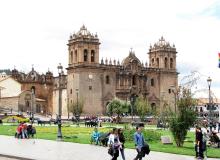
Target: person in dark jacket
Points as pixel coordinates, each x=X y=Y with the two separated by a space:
x=122 y=140
x=199 y=143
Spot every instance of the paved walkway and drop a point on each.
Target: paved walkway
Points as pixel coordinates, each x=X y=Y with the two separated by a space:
x=52 y=150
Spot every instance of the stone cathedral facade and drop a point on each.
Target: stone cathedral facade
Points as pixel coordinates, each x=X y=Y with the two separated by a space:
x=97 y=81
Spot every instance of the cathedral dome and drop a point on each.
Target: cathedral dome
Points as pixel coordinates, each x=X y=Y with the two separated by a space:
x=83 y=33
x=131 y=58
x=162 y=44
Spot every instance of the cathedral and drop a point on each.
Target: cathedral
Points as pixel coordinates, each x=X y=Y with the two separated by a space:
x=97 y=81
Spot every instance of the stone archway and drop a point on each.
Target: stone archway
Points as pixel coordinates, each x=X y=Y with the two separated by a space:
x=106 y=100
x=25 y=101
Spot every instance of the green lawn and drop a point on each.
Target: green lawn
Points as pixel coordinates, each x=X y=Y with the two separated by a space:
x=82 y=135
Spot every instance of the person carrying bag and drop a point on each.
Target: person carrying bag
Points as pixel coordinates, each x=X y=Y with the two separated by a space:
x=114 y=144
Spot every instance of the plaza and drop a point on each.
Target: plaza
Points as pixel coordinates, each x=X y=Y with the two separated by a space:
x=36 y=149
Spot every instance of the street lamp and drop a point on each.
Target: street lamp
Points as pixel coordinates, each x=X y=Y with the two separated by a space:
x=32 y=103
x=132 y=100
x=59 y=134
x=209 y=81
x=77 y=106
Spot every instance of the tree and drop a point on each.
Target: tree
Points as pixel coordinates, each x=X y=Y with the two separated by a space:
x=118 y=107
x=142 y=107
x=185 y=117
x=76 y=110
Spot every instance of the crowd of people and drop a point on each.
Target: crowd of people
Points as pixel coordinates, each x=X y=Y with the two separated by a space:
x=115 y=140
x=25 y=130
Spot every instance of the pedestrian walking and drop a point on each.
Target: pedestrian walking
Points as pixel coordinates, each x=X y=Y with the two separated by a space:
x=122 y=140
x=206 y=138
x=114 y=144
x=139 y=142
x=199 y=143
x=210 y=126
x=219 y=127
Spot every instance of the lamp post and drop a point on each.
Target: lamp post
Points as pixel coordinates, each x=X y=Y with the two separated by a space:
x=77 y=106
x=32 y=103
x=132 y=100
x=59 y=133
x=209 y=81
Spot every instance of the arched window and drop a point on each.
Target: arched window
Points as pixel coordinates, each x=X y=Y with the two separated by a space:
x=71 y=57
x=71 y=91
x=171 y=62
x=92 y=56
x=165 y=62
x=75 y=55
x=133 y=80
x=85 y=55
x=152 y=61
x=152 y=82
x=33 y=89
x=107 y=80
x=158 y=61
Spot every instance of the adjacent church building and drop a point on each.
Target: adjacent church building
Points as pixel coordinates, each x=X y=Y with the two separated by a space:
x=97 y=82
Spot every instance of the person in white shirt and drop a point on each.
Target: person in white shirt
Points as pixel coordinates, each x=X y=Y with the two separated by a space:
x=114 y=143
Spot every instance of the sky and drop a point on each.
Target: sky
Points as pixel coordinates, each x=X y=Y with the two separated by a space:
x=35 y=32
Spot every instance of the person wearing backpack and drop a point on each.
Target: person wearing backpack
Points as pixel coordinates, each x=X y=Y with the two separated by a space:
x=139 y=142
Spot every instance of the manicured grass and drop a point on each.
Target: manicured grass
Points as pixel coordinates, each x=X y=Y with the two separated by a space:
x=82 y=135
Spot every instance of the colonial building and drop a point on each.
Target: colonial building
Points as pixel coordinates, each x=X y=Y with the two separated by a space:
x=41 y=85
x=203 y=110
x=97 y=83
x=32 y=92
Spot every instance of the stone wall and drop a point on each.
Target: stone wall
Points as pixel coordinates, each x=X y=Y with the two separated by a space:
x=11 y=87
x=10 y=102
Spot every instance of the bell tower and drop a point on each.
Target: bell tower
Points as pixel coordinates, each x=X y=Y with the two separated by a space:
x=162 y=55
x=83 y=48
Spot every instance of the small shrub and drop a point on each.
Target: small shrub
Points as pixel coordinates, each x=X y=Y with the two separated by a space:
x=149 y=135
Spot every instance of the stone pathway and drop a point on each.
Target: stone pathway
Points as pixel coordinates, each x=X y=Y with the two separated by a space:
x=52 y=150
